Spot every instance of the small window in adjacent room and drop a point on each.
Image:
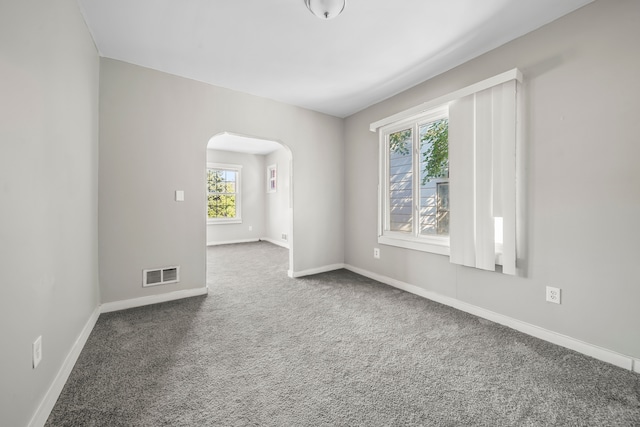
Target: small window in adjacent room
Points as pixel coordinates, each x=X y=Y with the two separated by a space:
x=272 y=179
x=223 y=193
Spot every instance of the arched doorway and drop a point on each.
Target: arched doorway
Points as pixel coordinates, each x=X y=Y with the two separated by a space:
x=249 y=191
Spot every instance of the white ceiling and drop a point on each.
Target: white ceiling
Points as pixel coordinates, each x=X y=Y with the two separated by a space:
x=277 y=49
x=242 y=144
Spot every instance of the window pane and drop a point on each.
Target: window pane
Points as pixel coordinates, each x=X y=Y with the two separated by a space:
x=434 y=150
x=400 y=181
x=221 y=201
x=443 y=208
x=428 y=208
x=214 y=177
x=434 y=174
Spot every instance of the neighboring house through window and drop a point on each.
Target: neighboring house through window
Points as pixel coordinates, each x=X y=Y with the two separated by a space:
x=416 y=170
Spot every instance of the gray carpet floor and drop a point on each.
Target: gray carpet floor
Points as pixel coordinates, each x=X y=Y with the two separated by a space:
x=335 y=349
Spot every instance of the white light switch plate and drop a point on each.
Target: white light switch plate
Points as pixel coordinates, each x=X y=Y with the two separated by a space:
x=179 y=195
x=37 y=352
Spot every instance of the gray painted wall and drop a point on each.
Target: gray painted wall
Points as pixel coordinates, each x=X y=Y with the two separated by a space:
x=252 y=198
x=277 y=204
x=582 y=194
x=154 y=130
x=48 y=184
x=581 y=130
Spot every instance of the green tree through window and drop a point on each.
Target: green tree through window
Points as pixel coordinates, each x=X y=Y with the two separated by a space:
x=418 y=172
x=436 y=156
x=222 y=193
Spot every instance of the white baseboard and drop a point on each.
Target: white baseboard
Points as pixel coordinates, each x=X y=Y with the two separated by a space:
x=231 y=242
x=276 y=242
x=594 y=351
x=152 y=299
x=52 y=394
x=318 y=270
x=48 y=402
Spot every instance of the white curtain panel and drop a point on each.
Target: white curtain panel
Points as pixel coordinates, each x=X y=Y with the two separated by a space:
x=482 y=157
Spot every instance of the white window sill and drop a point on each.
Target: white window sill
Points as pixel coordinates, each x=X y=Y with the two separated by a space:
x=435 y=245
x=218 y=221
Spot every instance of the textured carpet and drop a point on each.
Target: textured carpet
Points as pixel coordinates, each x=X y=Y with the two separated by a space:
x=335 y=349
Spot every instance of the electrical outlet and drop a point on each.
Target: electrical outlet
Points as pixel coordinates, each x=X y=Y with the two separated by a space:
x=553 y=295
x=284 y=237
x=376 y=253
x=251 y=228
x=37 y=352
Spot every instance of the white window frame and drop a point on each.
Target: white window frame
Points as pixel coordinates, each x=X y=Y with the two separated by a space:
x=504 y=177
x=272 y=182
x=238 y=217
x=413 y=240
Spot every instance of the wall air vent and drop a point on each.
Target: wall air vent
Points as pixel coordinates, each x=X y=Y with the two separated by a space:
x=160 y=276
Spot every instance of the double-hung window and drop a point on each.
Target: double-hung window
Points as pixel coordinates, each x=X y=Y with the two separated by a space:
x=272 y=179
x=416 y=182
x=223 y=193
x=448 y=175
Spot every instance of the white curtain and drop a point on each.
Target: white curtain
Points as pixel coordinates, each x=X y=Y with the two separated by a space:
x=482 y=158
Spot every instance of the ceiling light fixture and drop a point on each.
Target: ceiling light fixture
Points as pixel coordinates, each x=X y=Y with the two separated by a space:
x=325 y=9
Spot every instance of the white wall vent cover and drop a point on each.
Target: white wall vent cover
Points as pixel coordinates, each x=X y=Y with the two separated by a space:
x=160 y=276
